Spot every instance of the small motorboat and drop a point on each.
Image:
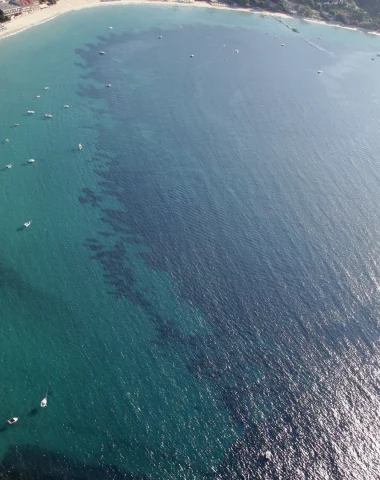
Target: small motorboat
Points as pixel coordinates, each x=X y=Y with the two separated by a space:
x=7 y=140
x=159 y=37
x=192 y=55
x=66 y=106
x=111 y=28
x=28 y=223
x=31 y=160
x=43 y=402
x=108 y=85
x=102 y=52
x=13 y=420
x=16 y=124
x=30 y=112
x=268 y=455
x=236 y=51
x=48 y=115
x=282 y=44
x=80 y=146
x=46 y=88
x=319 y=71
x=8 y=166
x=38 y=96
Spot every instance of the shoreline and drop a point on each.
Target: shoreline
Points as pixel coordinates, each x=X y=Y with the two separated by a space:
x=26 y=21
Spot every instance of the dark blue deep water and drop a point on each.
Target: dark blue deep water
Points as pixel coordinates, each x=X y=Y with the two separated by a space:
x=206 y=279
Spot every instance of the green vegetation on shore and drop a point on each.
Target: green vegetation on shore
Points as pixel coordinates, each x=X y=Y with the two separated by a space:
x=358 y=13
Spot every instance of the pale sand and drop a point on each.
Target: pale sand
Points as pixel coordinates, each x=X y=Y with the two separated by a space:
x=40 y=16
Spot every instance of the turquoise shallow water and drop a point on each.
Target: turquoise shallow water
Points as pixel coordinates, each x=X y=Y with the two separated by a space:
x=199 y=283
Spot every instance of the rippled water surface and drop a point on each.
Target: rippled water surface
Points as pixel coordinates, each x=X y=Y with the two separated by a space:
x=200 y=282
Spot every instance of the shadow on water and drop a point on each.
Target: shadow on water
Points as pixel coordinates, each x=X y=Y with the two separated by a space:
x=33 y=463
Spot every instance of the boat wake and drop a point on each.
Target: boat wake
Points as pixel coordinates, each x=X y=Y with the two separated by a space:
x=318 y=47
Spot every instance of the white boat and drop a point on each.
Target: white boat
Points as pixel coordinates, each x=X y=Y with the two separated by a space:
x=66 y=106
x=31 y=160
x=111 y=28
x=108 y=85
x=319 y=71
x=43 y=402
x=48 y=115
x=192 y=55
x=268 y=455
x=236 y=51
x=159 y=37
x=16 y=124
x=30 y=112
x=38 y=96
x=28 y=223
x=101 y=52
x=7 y=140
x=80 y=146
x=46 y=88
x=8 y=166
x=13 y=420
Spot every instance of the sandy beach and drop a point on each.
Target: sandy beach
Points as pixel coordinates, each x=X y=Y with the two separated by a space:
x=40 y=16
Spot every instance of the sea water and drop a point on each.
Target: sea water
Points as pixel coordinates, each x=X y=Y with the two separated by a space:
x=199 y=283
